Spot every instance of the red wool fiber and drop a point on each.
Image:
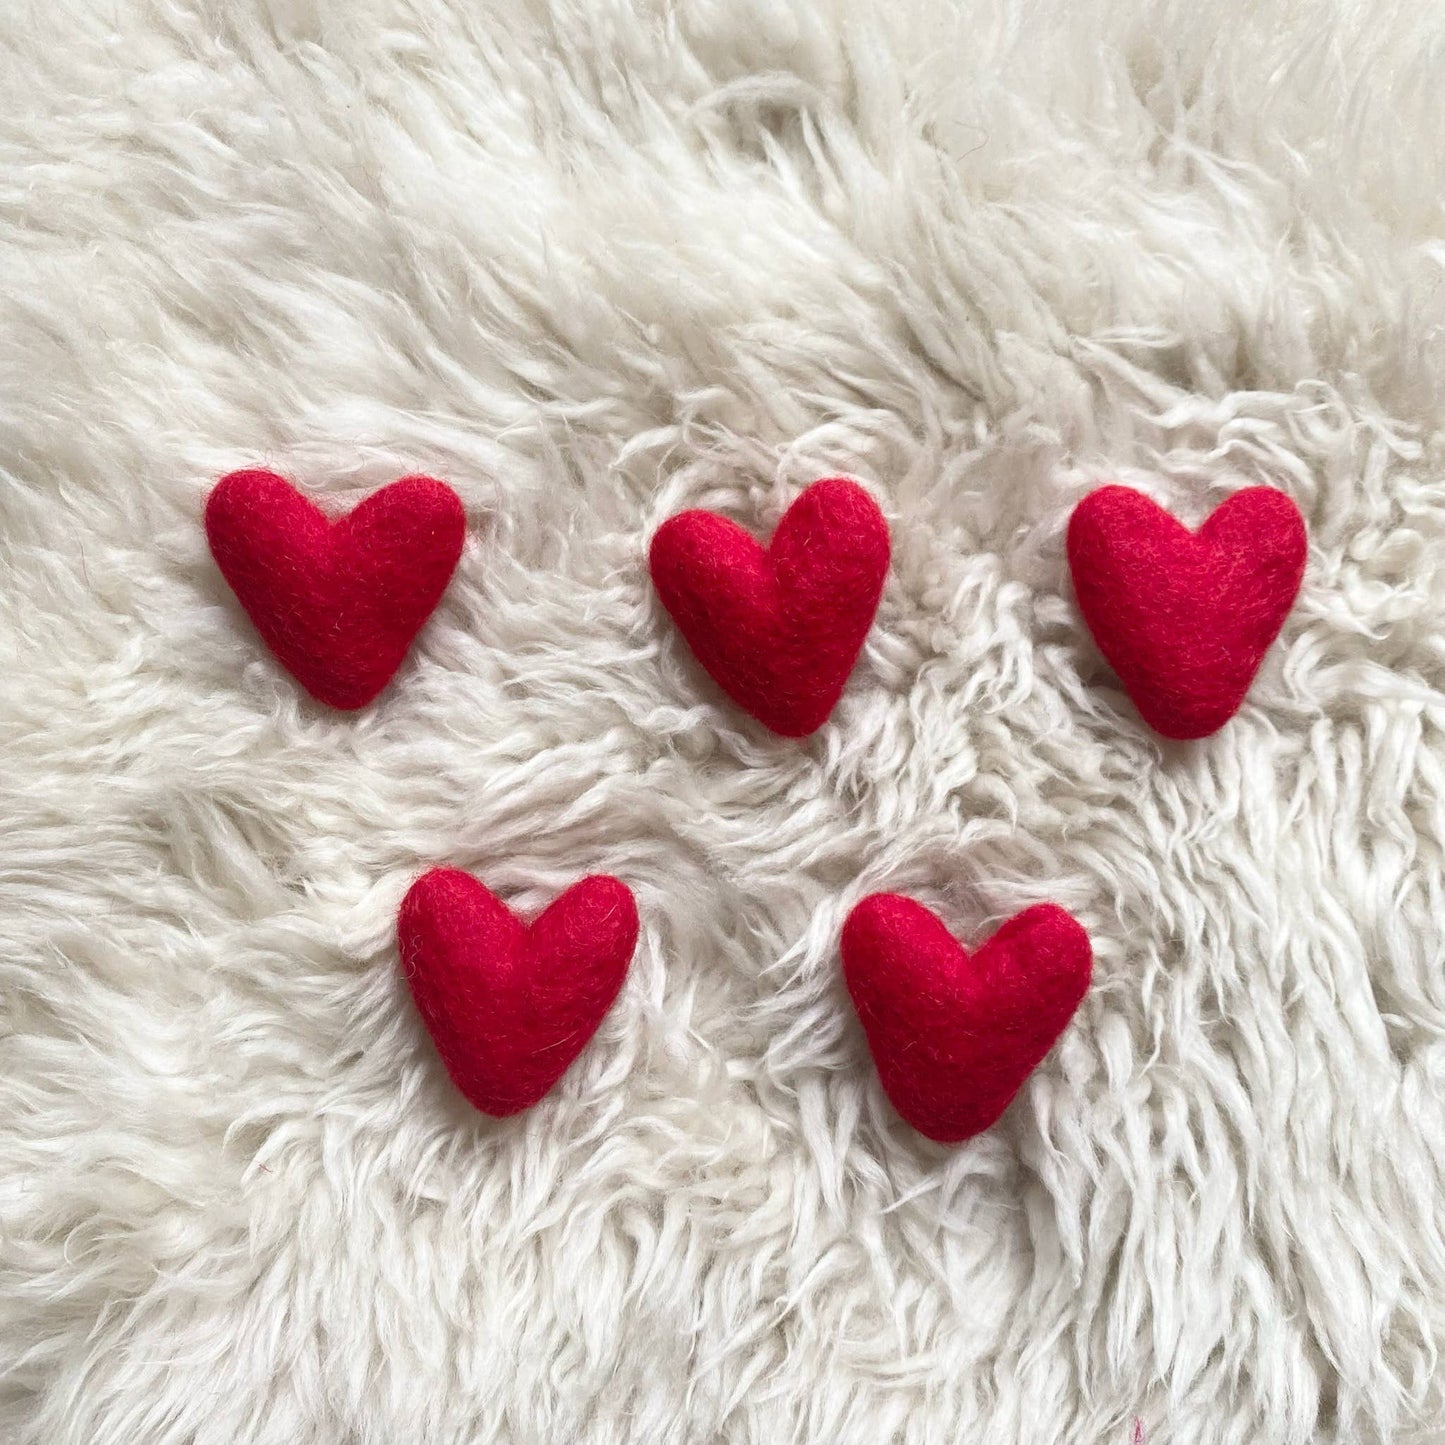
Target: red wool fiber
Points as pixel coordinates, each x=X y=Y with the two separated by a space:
x=340 y=601
x=954 y=1034
x=1185 y=618
x=778 y=628
x=510 y=1005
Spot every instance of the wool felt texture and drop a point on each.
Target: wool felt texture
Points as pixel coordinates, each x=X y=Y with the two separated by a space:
x=778 y=628
x=594 y=264
x=954 y=1034
x=1185 y=618
x=510 y=1005
x=338 y=601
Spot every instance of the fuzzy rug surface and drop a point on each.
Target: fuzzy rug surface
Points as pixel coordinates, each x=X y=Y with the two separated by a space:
x=592 y=262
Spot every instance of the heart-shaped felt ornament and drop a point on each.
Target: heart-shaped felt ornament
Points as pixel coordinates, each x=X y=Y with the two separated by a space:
x=955 y=1034
x=339 y=601
x=778 y=628
x=510 y=1005
x=1183 y=617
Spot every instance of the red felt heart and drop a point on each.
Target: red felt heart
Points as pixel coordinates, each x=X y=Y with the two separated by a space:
x=778 y=628
x=953 y=1034
x=338 y=602
x=1183 y=617
x=511 y=1005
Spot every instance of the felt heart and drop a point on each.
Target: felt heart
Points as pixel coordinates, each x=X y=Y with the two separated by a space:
x=777 y=628
x=338 y=602
x=1183 y=617
x=953 y=1034
x=511 y=1005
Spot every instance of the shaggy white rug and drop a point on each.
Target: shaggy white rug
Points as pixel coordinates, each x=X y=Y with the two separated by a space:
x=593 y=261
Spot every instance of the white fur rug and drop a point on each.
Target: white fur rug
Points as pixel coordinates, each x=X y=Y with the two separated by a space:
x=594 y=261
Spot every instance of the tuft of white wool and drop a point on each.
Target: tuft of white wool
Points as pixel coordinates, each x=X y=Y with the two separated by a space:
x=592 y=262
